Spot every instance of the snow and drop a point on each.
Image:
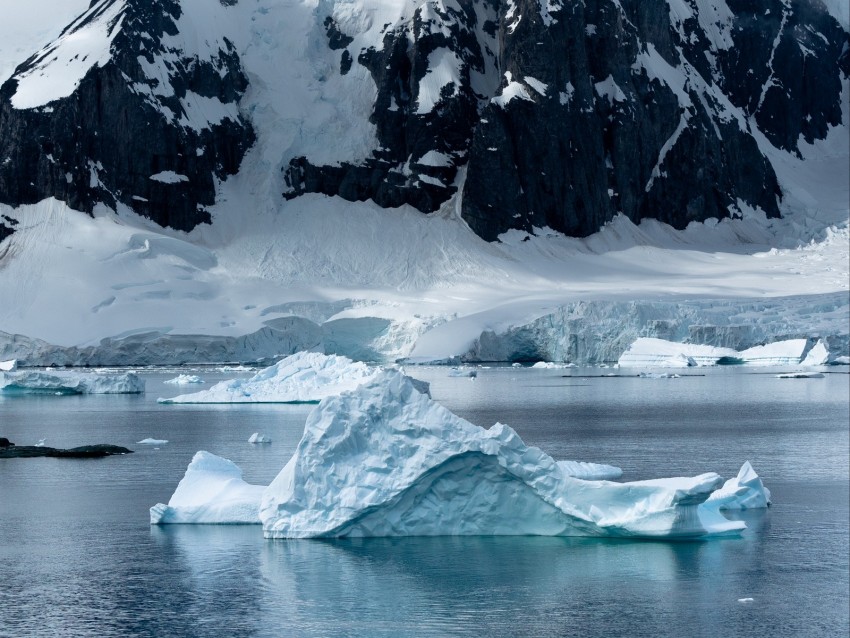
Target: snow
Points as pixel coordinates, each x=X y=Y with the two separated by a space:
x=61 y=383
x=212 y=491
x=385 y=460
x=184 y=379
x=512 y=90
x=8 y=366
x=651 y=352
x=60 y=67
x=256 y=437
x=745 y=491
x=169 y=177
x=150 y=441
x=305 y=377
x=443 y=71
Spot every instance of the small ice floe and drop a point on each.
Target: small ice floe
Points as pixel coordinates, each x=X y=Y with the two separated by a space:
x=800 y=375
x=462 y=372
x=8 y=366
x=152 y=442
x=658 y=375
x=184 y=379
x=841 y=361
x=256 y=437
x=63 y=382
x=550 y=365
x=745 y=600
x=40 y=443
x=516 y=365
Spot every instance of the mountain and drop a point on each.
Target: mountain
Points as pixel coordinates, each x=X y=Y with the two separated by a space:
x=542 y=113
x=380 y=169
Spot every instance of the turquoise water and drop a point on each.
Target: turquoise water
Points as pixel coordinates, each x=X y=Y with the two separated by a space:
x=78 y=558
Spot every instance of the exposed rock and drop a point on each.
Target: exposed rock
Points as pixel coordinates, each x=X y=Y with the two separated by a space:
x=136 y=130
x=83 y=452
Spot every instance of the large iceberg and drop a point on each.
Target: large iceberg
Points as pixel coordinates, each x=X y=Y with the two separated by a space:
x=55 y=382
x=304 y=377
x=212 y=491
x=388 y=461
x=649 y=352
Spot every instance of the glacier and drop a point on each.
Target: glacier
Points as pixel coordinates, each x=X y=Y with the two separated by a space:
x=60 y=383
x=305 y=377
x=386 y=460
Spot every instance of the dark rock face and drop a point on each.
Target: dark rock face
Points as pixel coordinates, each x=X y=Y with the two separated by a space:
x=135 y=117
x=83 y=452
x=423 y=138
x=567 y=114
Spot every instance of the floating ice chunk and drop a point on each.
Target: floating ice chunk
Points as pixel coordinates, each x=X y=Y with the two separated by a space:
x=385 y=460
x=800 y=375
x=8 y=366
x=41 y=443
x=152 y=442
x=658 y=375
x=61 y=383
x=649 y=352
x=549 y=365
x=460 y=372
x=305 y=377
x=256 y=437
x=745 y=600
x=212 y=491
x=184 y=379
x=745 y=491
x=789 y=352
x=842 y=361
x=590 y=471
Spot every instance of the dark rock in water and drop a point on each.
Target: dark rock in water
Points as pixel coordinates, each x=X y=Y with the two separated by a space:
x=4 y=442
x=82 y=452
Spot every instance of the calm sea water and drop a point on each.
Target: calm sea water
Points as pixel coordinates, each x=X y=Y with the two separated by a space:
x=78 y=558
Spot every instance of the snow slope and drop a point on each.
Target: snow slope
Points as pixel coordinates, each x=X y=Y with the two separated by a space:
x=391 y=283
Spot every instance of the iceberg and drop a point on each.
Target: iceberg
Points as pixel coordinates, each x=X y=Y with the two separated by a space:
x=211 y=492
x=184 y=379
x=649 y=352
x=386 y=460
x=150 y=441
x=53 y=382
x=256 y=437
x=800 y=375
x=745 y=491
x=8 y=366
x=304 y=377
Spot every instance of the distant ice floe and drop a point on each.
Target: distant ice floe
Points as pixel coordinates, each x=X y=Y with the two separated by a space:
x=800 y=375
x=649 y=352
x=386 y=460
x=304 y=377
x=256 y=437
x=549 y=365
x=184 y=379
x=152 y=442
x=61 y=383
x=8 y=366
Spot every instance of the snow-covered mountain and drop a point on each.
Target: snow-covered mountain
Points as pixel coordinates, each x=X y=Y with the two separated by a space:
x=321 y=173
